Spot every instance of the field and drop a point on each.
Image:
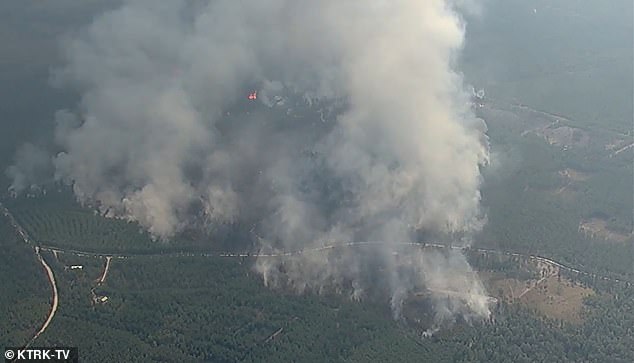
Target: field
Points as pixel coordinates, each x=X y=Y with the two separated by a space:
x=538 y=287
x=559 y=299
x=598 y=228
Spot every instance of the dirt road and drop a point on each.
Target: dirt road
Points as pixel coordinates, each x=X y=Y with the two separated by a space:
x=51 y=314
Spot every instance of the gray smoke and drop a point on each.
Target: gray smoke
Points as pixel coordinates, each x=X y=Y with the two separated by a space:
x=362 y=131
x=32 y=164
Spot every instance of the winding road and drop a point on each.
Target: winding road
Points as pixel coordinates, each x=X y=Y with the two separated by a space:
x=49 y=272
x=51 y=314
x=359 y=244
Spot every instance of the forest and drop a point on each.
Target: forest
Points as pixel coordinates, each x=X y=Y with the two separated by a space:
x=558 y=108
x=161 y=309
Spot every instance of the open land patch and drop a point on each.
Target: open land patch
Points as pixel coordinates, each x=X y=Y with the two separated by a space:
x=558 y=298
x=598 y=228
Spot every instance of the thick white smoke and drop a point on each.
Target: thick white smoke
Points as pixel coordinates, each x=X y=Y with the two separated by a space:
x=380 y=146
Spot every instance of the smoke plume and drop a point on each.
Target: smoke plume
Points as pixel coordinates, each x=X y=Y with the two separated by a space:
x=361 y=132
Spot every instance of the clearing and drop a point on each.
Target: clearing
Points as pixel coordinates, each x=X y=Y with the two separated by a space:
x=598 y=228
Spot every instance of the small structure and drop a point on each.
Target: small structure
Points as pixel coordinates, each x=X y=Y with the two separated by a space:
x=99 y=299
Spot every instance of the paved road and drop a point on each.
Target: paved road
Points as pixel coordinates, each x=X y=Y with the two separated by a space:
x=49 y=272
x=51 y=314
x=358 y=244
x=536 y=258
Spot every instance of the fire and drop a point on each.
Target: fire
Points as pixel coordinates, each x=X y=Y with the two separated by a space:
x=253 y=96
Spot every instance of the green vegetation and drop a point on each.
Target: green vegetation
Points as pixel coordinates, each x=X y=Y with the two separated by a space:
x=54 y=219
x=566 y=58
x=215 y=309
x=572 y=58
x=517 y=336
x=534 y=208
x=196 y=309
x=25 y=296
